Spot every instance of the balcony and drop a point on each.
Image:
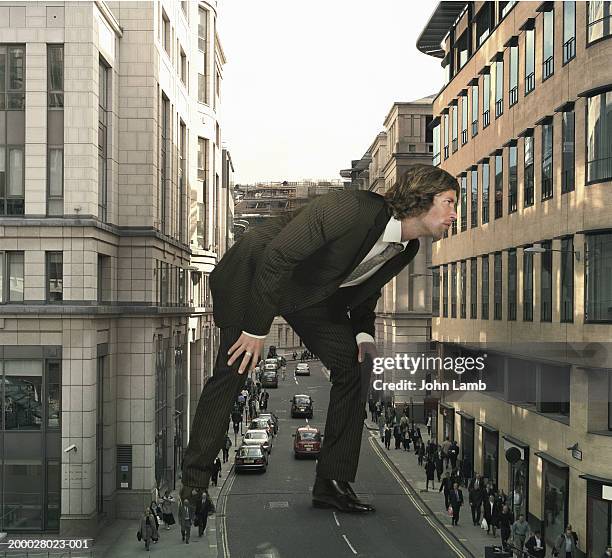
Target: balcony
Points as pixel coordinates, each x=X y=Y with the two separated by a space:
x=464 y=137
x=529 y=83
x=446 y=151
x=499 y=107
x=569 y=50
x=513 y=95
x=486 y=118
x=548 y=68
x=474 y=128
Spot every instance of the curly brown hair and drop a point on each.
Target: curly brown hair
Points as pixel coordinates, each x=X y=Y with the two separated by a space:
x=414 y=192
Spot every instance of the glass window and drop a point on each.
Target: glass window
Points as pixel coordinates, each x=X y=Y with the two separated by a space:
x=14 y=266
x=483 y=23
x=202 y=88
x=474 y=199
x=499 y=186
x=529 y=60
x=528 y=286
x=555 y=501
x=569 y=30
x=548 y=64
x=23 y=405
x=445 y=290
x=567 y=279
x=512 y=178
x=485 y=287
x=446 y=134
x=54 y=394
x=473 y=288
x=568 y=132
x=56 y=172
x=512 y=281
x=453 y=286
x=598 y=277
x=513 y=93
x=202 y=29
x=463 y=286
x=486 y=100
x=454 y=110
x=102 y=141
x=499 y=88
x=599 y=137
x=463 y=209
x=546 y=282
x=474 y=110
x=15 y=163
x=436 y=146
x=23 y=481
x=461 y=47
x=528 y=172
x=490 y=455
x=163 y=194
x=464 y=119
x=54 y=276
x=547 y=161
x=435 y=293
x=485 y=193
x=165 y=32
x=497 y=286
x=599 y=22
x=55 y=75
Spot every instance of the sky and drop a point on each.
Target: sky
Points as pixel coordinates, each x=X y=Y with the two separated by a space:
x=308 y=84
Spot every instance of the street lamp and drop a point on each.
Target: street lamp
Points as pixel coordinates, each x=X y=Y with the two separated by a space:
x=538 y=249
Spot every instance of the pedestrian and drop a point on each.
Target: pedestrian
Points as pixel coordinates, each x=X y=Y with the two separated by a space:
x=456 y=501
x=453 y=454
x=466 y=470
x=607 y=553
x=536 y=546
x=506 y=519
x=430 y=468
x=475 y=497
x=406 y=440
x=156 y=513
x=446 y=486
x=263 y=401
x=204 y=507
x=226 y=447
x=387 y=436
x=565 y=544
x=216 y=471
x=446 y=444
x=491 y=514
x=421 y=452
x=439 y=464
x=519 y=531
x=429 y=425
x=397 y=436
x=167 y=516
x=148 y=531
x=381 y=427
x=186 y=517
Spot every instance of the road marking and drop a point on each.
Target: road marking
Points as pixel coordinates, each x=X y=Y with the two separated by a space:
x=223 y=525
x=336 y=519
x=274 y=505
x=349 y=543
x=306 y=421
x=406 y=489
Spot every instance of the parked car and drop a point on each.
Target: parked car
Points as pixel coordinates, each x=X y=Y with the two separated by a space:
x=251 y=458
x=272 y=418
x=261 y=423
x=302 y=369
x=258 y=438
x=269 y=377
x=301 y=406
x=272 y=362
x=306 y=441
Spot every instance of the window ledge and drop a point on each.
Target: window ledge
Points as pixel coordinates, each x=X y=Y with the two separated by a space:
x=600 y=432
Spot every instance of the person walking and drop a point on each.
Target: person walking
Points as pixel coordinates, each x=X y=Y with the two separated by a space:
x=186 y=517
x=156 y=514
x=453 y=454
x=227 y=444
x=429 y=425
x=519 y=531
x=148 y=531
x=446 y=444
x=535 y=545
x=397 y=436
x=439 y=464
x=263 y=401
x=381 y=427
x=204 y=507
x=166 y=506
x=421 y=453
x=387 y=436
x=446 y=487
x=216 y=472
x=475 y=497
x=456 y=501
x=406 y=440
x=565 y=544
x=491 y=514
x=506 y=519
x=430 y=469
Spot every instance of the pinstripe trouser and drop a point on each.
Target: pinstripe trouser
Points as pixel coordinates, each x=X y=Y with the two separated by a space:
x=328 y=334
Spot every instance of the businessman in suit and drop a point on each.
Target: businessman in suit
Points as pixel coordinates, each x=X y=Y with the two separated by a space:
x=322 y=269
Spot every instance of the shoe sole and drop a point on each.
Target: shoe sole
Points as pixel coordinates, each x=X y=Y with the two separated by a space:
x=326 y=505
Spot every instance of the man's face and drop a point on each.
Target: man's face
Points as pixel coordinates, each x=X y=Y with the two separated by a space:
x=441 y=214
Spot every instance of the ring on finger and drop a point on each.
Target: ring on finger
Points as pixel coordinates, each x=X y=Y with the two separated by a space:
x=248 y=354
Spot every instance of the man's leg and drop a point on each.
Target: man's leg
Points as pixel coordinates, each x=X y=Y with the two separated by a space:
x=212 y=414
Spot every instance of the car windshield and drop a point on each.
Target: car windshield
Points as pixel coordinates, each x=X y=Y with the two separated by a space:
x=302 y=400
x=309 y=435
x=256 y=436
x=302 y=365
x=270 y=373
x=249 y=452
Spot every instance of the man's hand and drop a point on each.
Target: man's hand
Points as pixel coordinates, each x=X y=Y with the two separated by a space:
x=366 y=348
x=252 y=349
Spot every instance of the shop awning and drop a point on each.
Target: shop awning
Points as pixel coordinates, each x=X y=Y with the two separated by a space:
x=547 y=457
x=488 y=427
x=465 y=415
x=515 y=441
x=600 y=480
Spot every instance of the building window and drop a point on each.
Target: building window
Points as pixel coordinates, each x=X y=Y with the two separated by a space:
x=497 y=286
x=567 y=280
x=512 y=281
x=548 y=64
x=202 y=29
x=546 y=282
x=55 y=130
x=102 y=141
x=556 y=499
x=499 y=88
x=436 y=146
x=474 y=200
x=12 y=129
x=473 y=289
x=527 y=286
x=485 y=192
x=463 y=270
x=567 y=142
x=454 y=110
x=446 y=134
x=547 y=161
x=183 y=67
x=599 y=518
x=483 y=23
x=513 y=93
x=599 y=134
x=463 y=202
x=444 y=277
x=490 y=448
x=499 y=186
x=599 y=22
x=55 y=275
x=598 y=278
x=461 y=49
x=505 y=7
x=104 y=278
x=202 y=226
x=512 y=178
x=486 y=100
x=529 y=61
x=165 y=32
x=453 y=286
x=11 y=276
x=569 y=30
x=202 y=89
x=163 y=163
x=528 y=172
x=435 y=293
x=484 y=297
x=182 y=193
x=464 y=119
x=474 y=110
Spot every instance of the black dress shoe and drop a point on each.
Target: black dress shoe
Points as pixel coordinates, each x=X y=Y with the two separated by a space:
x=346 y=486
x=328 y=493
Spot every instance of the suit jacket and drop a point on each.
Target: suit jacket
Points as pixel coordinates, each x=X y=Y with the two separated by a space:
x=456 y=501
x=299 y=260
x=492 y=518
x=530 y=546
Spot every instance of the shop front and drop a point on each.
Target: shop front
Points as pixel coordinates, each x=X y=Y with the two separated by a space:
x=599 y=515
x=467 y=444
x=518 y=476
x=555 y=496
x=490 y=453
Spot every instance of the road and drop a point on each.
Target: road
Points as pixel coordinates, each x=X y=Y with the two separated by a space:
x=270 y=515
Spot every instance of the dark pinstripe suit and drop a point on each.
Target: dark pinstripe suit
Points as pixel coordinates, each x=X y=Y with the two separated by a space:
x=293 y=266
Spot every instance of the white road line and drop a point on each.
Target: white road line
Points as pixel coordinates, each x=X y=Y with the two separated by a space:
x=306 y=421
x=349 y=543
x=336 y=519
x=223 y=525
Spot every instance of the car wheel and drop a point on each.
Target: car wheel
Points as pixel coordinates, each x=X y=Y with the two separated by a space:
x=296 y=456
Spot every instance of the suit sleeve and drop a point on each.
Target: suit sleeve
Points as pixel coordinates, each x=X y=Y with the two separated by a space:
x=323 y=220
x=363 y=316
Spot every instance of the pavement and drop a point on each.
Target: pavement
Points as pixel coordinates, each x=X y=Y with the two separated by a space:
x=472 y=538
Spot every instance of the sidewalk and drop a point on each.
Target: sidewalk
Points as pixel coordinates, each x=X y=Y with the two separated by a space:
x=118 y=539
x=472 y=538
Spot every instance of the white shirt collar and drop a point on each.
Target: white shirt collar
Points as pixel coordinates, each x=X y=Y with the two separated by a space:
x=393 y=232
